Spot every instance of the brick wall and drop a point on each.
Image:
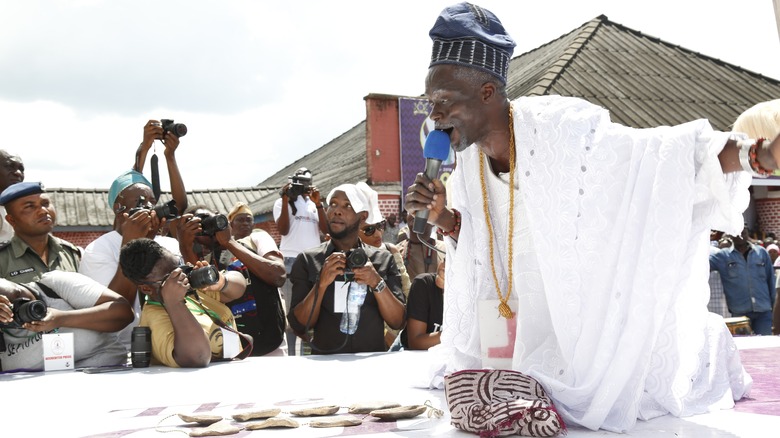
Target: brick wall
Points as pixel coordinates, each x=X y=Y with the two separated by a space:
x=390 y=204
x=768 y=212
x=80 y=238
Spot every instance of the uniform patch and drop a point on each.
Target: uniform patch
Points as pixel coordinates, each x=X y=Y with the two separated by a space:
x=21 y=271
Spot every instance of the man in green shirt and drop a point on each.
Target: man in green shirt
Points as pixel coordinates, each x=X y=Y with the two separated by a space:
x=33 y=250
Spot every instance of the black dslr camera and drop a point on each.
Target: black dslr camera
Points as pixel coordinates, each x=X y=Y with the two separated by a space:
x=167 y=211
x=355 y=258
x=201 y=277
x=211 y=225
x=300 y=183
x=26 y=310
x=178 y=129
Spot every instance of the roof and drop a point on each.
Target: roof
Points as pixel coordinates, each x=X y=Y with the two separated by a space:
x=341 y=159
x=89 y=208
x=643 y=81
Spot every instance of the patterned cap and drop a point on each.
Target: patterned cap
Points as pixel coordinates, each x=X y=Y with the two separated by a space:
x=467 y=34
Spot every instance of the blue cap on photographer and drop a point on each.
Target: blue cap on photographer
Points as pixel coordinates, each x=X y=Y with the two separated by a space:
x=124 y=181
x=20 y=189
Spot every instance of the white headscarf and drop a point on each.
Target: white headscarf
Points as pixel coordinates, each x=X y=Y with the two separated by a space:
x=363 y=198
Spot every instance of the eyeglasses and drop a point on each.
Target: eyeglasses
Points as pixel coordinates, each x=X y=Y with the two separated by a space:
x=371 y=229
x=158 y=284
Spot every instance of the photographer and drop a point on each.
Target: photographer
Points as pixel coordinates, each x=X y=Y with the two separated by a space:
x=259 y=313
x=342 y=291
x=300 y=219
x=65 y=302
x=190 y=328
x=132 y=201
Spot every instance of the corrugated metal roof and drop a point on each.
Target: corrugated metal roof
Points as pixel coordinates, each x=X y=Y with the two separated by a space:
x=642 y=80
x=89 y=207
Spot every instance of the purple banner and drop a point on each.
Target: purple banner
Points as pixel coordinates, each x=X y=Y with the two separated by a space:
x=414 y=125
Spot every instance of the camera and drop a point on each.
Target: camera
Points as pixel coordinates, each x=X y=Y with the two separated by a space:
x=201 y=277
x=355 y=258
x=178 y=129
x=211 y=225
x=26 y=310
x=167 y=211
x=300 y=183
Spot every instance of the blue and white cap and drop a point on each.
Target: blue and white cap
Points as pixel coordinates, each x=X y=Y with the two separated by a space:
x=467 y=34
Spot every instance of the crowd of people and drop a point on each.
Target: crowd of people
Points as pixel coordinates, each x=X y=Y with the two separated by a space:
x=209 y=284
x=534 y=231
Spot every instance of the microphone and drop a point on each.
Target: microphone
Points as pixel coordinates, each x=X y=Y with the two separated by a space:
x=436 y=150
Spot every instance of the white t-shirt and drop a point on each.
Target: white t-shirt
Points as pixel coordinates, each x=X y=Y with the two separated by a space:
x=304 y=231
x=24 y=348
x=101 y=260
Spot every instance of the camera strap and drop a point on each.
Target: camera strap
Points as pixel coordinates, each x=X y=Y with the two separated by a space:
x=248 y=341
x=46 y=290
x=155 y=177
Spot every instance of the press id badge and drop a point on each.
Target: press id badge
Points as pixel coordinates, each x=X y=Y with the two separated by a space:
x=497 y=335
x=58 y=351
x=231 y=344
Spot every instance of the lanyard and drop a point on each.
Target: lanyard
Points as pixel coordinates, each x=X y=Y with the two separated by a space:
x=197 y=309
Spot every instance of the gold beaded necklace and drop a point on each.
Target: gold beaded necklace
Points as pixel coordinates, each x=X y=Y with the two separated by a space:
x=503 y=308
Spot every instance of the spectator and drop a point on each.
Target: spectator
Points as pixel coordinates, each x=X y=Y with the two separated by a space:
x=345 y=307
x=101 y=257
x=190 y=328
x=11 y=172
x=424 y=311
x=748 y=278
x=300 y=219
x=33 y=250
x=773 y=251
x=420 y=257
x=717 y=302
x=75 y=304
x=259 y=312
x=390 y=233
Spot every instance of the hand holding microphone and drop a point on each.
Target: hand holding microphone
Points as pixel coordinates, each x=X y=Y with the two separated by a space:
x=420 y=195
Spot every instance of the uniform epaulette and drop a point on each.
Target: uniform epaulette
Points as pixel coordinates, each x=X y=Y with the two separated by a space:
x=71 y=246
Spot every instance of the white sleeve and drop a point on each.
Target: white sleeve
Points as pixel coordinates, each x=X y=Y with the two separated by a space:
x=263 y=242
x=77 y=289
x=277 y=209
x=99 y=265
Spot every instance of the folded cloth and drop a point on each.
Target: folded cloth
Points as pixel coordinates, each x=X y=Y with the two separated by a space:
x=500 y=402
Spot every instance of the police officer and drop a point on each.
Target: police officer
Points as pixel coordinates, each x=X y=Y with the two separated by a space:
x=33 y=250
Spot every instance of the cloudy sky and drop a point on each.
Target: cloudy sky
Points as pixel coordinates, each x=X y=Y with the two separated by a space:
x=262 y=83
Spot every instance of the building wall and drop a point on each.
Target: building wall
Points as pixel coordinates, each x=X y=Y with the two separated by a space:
x=768 y=212
x=79 y=238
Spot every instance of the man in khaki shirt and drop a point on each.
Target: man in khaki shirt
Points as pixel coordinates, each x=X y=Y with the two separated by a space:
x=32 y=250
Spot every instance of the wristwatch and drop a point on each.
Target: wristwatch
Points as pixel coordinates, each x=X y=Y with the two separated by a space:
x=380 y=286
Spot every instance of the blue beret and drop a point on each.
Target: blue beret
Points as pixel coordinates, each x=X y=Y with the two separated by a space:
x=467 y=34
x=124 y=181
x=20 y=189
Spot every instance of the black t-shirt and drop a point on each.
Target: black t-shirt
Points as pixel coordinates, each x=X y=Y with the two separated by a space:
x=425 y=303
x=327 y=334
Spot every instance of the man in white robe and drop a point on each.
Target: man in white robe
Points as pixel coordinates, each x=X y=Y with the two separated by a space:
x=609 y=242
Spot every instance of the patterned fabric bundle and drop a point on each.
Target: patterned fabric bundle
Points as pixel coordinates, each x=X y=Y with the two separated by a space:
x=499 y=403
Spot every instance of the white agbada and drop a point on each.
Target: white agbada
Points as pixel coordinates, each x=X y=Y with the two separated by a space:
x=610 y=264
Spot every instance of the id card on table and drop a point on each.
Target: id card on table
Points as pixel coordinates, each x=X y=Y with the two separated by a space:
x=497 y=335
x=57 y=351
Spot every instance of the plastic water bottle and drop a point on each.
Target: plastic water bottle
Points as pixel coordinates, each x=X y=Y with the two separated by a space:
x=355 y=298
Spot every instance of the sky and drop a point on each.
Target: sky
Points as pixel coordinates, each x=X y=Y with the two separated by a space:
x=260 y=84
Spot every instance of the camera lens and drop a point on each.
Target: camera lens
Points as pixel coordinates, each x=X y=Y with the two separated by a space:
x=27 y=310
x=212 y=224
x=356 y=258
x=203 y=277
x=141 y=347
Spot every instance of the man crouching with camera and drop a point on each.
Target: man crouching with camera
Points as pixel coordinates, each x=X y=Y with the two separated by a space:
x=185 y=310
x=343 y=292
